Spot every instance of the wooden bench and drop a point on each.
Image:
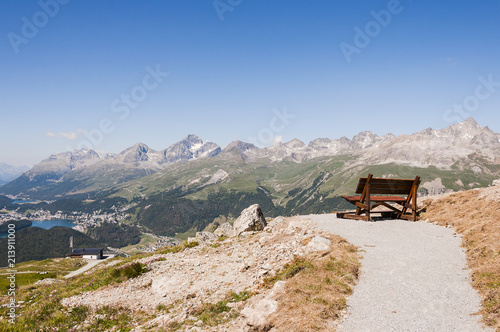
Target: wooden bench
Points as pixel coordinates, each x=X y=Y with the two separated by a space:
x=400 y=192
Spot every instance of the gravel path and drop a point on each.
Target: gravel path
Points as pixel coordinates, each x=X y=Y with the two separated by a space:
x=413 y=277
x=90 y=264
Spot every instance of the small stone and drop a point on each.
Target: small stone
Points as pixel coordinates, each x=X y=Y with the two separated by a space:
x=318 y=243
x=279 y=219
x=266 y=267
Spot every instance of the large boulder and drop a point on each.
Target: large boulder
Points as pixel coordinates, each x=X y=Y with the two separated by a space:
x=224 y=230
x=205 y=237
x=202 y=238
x=251 y=220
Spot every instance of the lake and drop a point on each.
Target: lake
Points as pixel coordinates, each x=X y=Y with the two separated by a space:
x=47 y=224
x=23 y=201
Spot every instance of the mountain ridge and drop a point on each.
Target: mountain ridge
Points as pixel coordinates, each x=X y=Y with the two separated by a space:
x=463 y=145
x=10 y=172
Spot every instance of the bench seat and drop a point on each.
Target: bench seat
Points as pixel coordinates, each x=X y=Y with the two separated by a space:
x=383 y=192
x=395 y=199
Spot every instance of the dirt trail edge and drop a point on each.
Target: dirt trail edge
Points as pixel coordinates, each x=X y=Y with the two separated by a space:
x=414 y=277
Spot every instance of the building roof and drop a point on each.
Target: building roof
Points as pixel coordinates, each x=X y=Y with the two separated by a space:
x=87 y=251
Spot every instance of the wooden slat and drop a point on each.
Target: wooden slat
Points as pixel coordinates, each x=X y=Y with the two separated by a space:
x=380 y=183
x=352 y=199
x=389 y=206
x=362 y=206
x=408 y=217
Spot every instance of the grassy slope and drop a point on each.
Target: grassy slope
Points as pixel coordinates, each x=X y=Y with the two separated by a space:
x=27 y=272
x=281 y=177
x=312 y=186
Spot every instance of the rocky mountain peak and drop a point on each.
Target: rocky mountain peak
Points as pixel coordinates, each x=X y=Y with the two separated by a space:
x=364 y=139
x=191 y=147
x=193 y=139
x=472 y=123
x=239 y=146
x=440 y=148
x=136 y=153
x=295 y=144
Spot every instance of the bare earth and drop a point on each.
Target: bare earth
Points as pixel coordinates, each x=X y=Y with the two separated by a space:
x=414 y=277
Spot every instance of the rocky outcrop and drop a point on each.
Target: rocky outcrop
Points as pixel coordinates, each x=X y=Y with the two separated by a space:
x=257 y=313
x=251 y=220
x=48 y=281
x=224 y=230
x=203 y=238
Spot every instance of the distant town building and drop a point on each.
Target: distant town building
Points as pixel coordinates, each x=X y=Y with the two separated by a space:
x=88 y=253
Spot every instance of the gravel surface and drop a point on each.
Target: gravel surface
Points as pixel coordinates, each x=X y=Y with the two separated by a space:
x=414 y=277
x=90 y=264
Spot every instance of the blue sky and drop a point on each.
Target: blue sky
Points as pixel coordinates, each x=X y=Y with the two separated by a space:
x=226 y=68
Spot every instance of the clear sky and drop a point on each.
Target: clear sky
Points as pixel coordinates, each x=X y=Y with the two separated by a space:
x=109 y=74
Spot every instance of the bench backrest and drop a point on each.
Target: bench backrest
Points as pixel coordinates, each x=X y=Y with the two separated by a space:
x=381 y=186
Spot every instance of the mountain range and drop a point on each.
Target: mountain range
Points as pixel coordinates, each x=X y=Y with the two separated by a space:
x=192 y=182
x=10 y=172
x=463 y=146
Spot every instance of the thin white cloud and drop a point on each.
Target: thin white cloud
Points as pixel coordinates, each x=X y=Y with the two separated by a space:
x=277 y=139
x=69 y=135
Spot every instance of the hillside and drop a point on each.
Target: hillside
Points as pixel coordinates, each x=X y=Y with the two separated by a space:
x=36 y=243
x=291 y=276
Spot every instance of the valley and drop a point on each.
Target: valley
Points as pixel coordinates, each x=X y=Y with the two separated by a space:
x=193 y=184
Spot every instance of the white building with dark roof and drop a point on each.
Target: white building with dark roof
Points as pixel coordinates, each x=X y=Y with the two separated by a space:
x=87 y=253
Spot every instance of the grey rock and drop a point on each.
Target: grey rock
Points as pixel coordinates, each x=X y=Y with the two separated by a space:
x=48 y=281
x=251 y=220
x=205 y=237
x=224 y=230
x=257 y=314
x=318 y=243
x=279 y=219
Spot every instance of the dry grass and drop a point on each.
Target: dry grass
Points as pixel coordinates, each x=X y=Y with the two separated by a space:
x=477 y=218
x=317 y=288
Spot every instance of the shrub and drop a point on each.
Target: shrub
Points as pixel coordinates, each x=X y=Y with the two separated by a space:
x=129 y=271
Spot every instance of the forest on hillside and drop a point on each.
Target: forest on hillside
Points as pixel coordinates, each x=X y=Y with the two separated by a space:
x=35 y=243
